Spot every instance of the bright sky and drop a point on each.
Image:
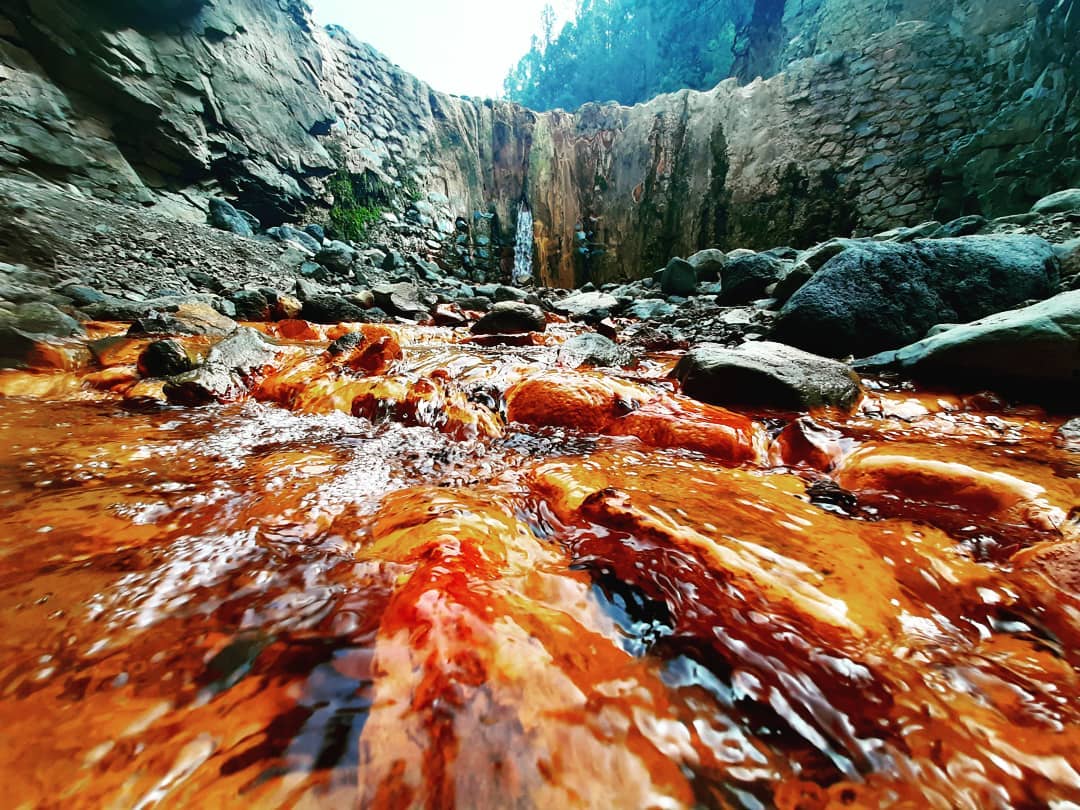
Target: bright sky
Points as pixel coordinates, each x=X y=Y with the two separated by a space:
x=465 y=47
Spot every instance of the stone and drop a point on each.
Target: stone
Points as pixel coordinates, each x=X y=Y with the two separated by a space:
x=224 y=376
x=1032 y=352
x=678 y=278
x=592 y=349
x=223 y=216
x=587 y=304
x=195 y=318
x=404 y=300
x=806 y=264
x=286 y=233
x=164 y=358
x=511 y=318
x=251 y=305
x=1068 y=435
x=28 y=324
x=316 y=232
x=337 y=257
x=745 y=278
x=708 y=264
x=964 y=226
x=83 y=295
x=765 y=374
x=882 y=295
x=650 y=309
x=330 y=308
x=1058 y=203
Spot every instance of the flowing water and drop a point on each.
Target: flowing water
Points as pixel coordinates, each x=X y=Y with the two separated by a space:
x=523 y=246
x=444 y=575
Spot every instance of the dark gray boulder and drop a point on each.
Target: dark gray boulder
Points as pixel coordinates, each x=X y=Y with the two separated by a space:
x=404 y=300
x=678 y=278
x=316 y=232
x=337 y=257
x=331 y=308
x=708 y=264
x=592 y=349
x=1033 y=352
x=225 y=217
x=511 y=318
x=287 y=233
x=806 y=264
x=881 y=295
x=164 y=358
x=745 y=278
x=763 y=374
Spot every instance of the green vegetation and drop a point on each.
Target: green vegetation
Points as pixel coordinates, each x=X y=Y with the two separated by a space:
x=359 y=201
x=629 y=51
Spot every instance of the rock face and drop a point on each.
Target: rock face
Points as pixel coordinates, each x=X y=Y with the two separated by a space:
x=763 y=374
x=880 y=122
x=881 y=295
x=1034 y=351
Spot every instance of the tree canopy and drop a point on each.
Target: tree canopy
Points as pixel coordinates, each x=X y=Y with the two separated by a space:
x=627 y=51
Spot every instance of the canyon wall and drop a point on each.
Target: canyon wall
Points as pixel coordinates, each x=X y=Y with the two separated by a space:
x=890 y=114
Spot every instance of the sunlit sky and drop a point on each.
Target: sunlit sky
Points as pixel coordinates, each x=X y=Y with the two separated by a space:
x=463 y=47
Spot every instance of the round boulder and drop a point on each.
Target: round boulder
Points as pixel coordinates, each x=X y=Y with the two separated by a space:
x=678 y=278
x=511 y=318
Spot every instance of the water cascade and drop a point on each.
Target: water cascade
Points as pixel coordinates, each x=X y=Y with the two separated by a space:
x=523 y=246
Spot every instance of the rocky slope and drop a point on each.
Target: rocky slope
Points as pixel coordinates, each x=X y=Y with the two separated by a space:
x=895 y=115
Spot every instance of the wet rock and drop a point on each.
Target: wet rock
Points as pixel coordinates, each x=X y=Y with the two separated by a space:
x=186 y=319
x=708 y=264
x=745 y=278
x=337 y=257
x=25 y=325
x=587 y=304
x=678 y=278
x=964 y=226
x=766 y=374
x=1033 y=352
x=225 y=217
x=1068 y=435
x=330 y=308
x=511 y=318
x=881 y=295
x=119 y=309
x=404 y=300
x=227 y=372
x=592 y=349
x=164 y=358
x=1058 y=202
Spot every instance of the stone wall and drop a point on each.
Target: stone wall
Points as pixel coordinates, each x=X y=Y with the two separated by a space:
x=886 y=121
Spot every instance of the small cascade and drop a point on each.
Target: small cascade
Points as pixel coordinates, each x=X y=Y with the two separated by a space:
x=523 y=246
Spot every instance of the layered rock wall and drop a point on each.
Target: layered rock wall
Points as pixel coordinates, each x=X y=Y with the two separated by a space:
x=897 y=113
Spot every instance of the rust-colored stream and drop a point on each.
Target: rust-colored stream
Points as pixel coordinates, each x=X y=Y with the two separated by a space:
x=425 y=573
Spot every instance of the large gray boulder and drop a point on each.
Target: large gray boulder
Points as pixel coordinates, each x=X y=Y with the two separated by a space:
x=764 y=374
x=31 y=323
x=225 y=217
x=679 y=278
x=745 y=278
x=1033 y=352
x=586 y=304
x=708 y=264
x=880 y=295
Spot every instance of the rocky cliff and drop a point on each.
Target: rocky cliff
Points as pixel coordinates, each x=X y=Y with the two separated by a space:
x=888 y=116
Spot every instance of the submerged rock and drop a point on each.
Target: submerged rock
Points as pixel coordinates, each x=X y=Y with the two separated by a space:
x=224 y=375
x=881 y=295
x=1033 y=351
x=592 y=349
x=764 y=374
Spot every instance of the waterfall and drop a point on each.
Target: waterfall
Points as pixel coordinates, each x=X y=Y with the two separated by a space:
x=523 y=246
